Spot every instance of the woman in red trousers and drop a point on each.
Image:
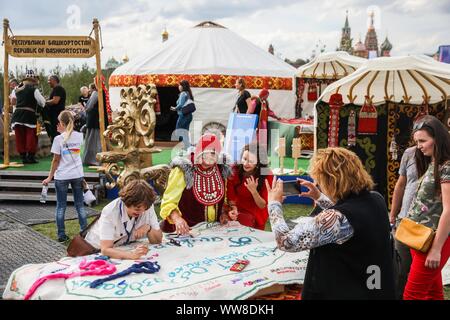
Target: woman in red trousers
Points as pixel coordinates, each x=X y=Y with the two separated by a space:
x=431 y=207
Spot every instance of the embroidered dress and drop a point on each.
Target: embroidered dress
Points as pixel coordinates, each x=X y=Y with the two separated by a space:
x=209 y=187
x=352 y=129
x=333 y=131
x=368 y=119
x=195 y=193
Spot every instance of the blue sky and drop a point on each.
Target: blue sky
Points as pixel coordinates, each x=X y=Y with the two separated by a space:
x=293 y=27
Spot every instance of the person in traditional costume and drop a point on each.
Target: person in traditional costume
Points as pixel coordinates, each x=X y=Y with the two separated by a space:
x=196 y=188
x=246 y=188
x=24 y=119
x=260 y=107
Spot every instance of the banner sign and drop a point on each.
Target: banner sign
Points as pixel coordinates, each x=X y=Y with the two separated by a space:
x=51 y=47
x=241 y=130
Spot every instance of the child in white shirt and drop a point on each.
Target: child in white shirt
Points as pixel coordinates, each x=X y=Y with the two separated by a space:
x=126 y=219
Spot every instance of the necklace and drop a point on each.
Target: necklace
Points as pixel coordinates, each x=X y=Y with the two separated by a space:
x=209 y=187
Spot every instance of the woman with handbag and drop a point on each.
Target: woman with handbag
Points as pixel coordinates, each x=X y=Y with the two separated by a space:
x=67 y=169
x=184 y=118
x=430 y=208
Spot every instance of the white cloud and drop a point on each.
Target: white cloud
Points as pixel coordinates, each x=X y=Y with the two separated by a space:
x=293 y=27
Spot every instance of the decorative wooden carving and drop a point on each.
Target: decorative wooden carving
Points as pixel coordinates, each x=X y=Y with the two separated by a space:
x=131 y=140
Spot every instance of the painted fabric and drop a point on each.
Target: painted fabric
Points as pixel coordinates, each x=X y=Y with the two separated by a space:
x=198 y=269
x=91 y=268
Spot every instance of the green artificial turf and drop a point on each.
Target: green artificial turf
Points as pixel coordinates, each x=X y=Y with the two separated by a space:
x=163 y=157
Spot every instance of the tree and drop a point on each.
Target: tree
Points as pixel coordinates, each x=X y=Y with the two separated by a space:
x=297 y=63
x=72 y=79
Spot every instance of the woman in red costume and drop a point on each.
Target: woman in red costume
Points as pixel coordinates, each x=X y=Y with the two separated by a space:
x=246 y=189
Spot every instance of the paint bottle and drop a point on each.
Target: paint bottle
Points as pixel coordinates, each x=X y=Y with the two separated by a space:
x=44 y=194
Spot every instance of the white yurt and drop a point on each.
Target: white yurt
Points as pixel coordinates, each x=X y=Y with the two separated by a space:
x=211 y=57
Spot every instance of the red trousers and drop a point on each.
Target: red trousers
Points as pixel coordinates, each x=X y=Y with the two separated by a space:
x=424 y=283
x=26 y=139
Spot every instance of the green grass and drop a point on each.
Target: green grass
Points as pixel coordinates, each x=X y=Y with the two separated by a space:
x=293 y=211
x=49 y=229
x=72 y=226
x=164 y=157
x=45 y=163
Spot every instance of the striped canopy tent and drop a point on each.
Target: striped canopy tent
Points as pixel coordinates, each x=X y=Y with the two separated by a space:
x=330 y=65
x=396 y=90
x=410 y=79
x=211 y=57
x=323 y=70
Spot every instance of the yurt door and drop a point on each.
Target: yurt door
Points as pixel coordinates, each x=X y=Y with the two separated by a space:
x=167 y=120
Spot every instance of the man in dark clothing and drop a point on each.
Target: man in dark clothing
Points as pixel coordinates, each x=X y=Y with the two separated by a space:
x=24 y=118
x=54 y=106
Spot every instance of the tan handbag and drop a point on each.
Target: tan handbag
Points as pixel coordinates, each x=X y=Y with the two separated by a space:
x=415 y=235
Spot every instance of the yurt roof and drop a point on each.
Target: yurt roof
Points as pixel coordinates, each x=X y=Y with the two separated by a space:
x=330 y=65
x=207 y=48
x=408 y=79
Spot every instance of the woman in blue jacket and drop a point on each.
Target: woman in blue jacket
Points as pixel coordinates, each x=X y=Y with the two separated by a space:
x=184 y=120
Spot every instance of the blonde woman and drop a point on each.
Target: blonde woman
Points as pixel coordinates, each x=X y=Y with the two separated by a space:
x=67 y=169
x=349 y=241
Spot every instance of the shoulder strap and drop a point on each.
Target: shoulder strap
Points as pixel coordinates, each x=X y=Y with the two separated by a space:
x=85 y=231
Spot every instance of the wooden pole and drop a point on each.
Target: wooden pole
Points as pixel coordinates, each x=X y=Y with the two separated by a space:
x=296 y=152
x=5 y=98
x=101 y=112
x=282 y=153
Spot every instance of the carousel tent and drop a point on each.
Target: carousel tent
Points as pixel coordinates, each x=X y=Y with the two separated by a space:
x=323 y=70
x=409 y=79
x=381 y=101
x=330 y=65
x=211 y=58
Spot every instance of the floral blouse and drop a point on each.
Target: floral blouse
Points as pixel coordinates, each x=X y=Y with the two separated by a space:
x=330 y=226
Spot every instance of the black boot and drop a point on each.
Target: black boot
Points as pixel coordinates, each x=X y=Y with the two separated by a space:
x=24 y=158
x=31 y=158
